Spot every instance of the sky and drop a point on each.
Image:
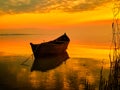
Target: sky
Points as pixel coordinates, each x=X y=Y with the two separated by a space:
x=49 y=14
x=87 y=19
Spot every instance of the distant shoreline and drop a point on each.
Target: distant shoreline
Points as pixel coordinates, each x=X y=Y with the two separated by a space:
x=16 y=34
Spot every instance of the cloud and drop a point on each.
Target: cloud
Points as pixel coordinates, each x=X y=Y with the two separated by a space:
x=85 y=5
x=42 y=6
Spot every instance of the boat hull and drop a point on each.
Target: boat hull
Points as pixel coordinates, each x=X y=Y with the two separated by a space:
x=55 y=47
x=48 y=49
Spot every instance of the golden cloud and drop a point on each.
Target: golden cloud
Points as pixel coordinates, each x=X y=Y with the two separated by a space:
x=41 y=6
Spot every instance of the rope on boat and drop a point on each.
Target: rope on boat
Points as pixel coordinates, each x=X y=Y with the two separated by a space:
x=24 y=62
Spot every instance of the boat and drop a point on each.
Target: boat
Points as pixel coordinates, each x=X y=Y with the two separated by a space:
x=45 y=64
x=54 y=47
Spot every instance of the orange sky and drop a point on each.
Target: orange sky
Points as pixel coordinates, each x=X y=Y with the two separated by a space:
x=87 y=21
x=56 y=18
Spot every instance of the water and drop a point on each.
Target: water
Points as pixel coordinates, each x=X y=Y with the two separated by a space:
x=84 y=64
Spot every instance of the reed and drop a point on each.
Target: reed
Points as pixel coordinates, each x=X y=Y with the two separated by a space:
x=88 y=86
x=113 y=82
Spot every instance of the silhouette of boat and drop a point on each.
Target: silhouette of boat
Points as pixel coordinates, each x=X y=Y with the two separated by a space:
x=53 y=47
x=44 y=64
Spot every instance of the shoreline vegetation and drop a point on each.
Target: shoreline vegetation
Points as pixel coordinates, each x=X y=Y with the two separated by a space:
x=113 y=81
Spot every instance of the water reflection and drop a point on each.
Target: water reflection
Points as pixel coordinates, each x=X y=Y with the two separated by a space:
x=47 y=63
x=69 y=76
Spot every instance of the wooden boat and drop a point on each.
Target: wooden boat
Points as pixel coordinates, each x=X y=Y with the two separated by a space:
x=53 y=47
x=44 y=64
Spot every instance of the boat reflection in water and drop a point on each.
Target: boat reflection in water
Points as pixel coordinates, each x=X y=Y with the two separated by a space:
x=49 y=62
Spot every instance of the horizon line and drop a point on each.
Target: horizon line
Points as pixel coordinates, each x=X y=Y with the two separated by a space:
x=4 y=34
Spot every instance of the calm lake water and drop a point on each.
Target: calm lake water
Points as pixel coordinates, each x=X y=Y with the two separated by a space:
x=84 y=63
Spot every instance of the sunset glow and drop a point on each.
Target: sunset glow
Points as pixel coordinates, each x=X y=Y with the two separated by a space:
x=56 y=17
x=87 y=22
x=59 y=44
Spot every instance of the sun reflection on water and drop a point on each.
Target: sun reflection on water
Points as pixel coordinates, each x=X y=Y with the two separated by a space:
x=84 y=64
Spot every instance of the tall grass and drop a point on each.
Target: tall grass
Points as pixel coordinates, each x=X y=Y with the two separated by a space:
x=113 y=82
